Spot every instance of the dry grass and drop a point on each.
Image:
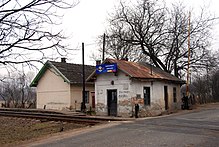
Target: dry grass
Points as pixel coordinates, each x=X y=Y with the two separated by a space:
x=14 y=130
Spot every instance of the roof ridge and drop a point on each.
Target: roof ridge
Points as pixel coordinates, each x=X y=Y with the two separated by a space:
x=71 y=63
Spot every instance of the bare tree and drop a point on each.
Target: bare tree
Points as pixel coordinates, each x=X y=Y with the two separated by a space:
x=26 y=30
x=215 y=86
x=201 y=89
x=132 y=26
x=16 y=91
x=206 y=87
x=177 y=41
x=116 y=48
x=206 y=83
x=161 y=33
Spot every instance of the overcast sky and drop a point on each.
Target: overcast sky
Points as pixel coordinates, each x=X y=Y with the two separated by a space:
x=88 y=20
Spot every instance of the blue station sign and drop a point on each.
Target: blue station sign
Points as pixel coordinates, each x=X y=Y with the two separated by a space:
x=106 y=68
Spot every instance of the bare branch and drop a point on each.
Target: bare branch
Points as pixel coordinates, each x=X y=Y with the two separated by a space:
x=160 y=33
x=25 y=30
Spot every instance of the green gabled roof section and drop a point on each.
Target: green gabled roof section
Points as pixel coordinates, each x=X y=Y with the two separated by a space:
x=59 y=72
x=39 y=75
x=46 y=66
x=69 y=72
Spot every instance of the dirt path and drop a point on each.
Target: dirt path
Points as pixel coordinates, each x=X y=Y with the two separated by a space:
x=15 y=130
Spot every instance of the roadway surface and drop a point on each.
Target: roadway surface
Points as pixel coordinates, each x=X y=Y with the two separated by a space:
x=187 y=129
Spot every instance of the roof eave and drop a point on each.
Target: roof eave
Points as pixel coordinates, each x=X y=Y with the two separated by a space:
x=56 y=69
x=91 y=75
x=35 y=81
x=39 y=75
x=159 y=79
x=80 y=83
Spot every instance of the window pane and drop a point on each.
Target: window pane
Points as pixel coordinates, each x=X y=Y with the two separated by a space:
x=86 y=96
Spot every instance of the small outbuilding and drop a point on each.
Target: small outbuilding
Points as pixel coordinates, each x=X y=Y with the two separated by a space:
x=59 y=86
x=122 y=85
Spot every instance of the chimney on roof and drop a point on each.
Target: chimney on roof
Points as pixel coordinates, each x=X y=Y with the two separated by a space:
x=126 y=59
x=98 y=62
x=63 y=60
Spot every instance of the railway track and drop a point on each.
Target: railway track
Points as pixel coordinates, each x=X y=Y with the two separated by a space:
x=49 y=116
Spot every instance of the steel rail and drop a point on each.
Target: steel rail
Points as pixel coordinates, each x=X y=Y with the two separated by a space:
x=49 y=117
x=79 y=116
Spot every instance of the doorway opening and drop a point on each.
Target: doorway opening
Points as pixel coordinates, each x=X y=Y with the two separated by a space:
x=166 y=97
x=112 y=102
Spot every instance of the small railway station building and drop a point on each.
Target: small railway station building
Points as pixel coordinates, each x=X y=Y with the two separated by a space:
x=59 y=86
x=121 y=85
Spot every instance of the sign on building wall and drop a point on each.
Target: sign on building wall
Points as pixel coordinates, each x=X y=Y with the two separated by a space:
x=106 y=68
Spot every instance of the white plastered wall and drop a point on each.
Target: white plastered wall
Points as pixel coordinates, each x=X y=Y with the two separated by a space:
x=52 y=91
x=157 y=92
x=104 y=83
x=128 y=89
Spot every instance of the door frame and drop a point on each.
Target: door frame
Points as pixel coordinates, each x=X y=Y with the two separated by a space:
x=109 y=102
x=93 y=99
x=166 y=97
x=145 y=88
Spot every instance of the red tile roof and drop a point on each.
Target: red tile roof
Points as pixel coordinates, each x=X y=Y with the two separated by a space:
x=143 y=71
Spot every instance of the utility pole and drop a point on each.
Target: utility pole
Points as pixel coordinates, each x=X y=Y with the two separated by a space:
x=188 y=71
x=83 y=107
x=151 y=66
x=104 y=42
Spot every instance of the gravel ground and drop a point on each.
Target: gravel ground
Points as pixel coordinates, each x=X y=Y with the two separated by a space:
x=14 y=130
